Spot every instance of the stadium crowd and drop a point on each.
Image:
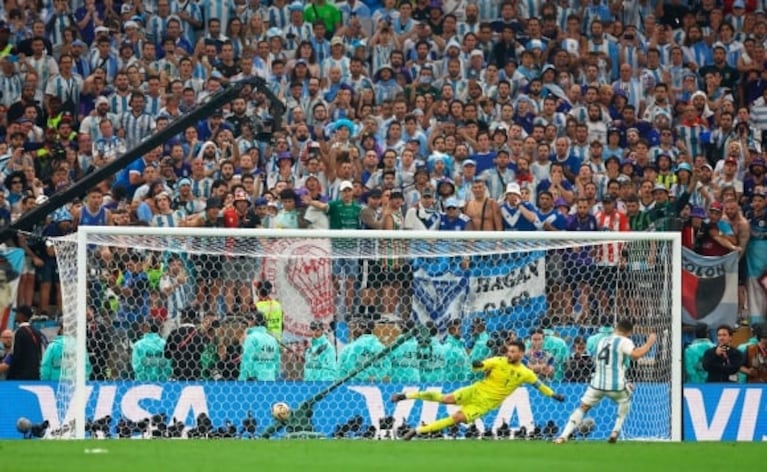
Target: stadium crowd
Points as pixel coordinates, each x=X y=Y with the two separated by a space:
x=436 y=115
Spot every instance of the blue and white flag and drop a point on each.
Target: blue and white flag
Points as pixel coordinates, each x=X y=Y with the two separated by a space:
x=507 y=291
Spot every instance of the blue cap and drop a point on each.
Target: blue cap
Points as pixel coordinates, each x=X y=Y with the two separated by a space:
x=184 y=181
x=261 y=201
x=698 y=212
x=62 y=214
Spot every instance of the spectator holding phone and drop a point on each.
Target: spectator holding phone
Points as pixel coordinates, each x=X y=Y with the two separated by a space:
x=722 y=361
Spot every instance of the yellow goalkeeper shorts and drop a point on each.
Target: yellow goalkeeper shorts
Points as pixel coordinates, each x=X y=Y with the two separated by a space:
x=473 y=402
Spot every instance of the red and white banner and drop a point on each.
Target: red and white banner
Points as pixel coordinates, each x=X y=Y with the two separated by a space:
x=301 y=272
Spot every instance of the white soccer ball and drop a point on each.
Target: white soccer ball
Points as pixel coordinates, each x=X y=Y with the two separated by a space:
x=23 y=425
x=280 y=411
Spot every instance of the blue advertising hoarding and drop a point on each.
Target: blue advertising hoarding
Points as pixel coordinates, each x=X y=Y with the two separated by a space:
x=233 y=401
x=725 y=412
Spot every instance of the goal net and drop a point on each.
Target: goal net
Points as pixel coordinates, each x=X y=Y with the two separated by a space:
x=181 y=332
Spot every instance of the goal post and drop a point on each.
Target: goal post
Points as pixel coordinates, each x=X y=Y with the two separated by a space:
x=570 y=284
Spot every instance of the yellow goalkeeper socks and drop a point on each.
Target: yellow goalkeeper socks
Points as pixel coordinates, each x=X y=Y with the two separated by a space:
x=426 y=396
x=438 y=425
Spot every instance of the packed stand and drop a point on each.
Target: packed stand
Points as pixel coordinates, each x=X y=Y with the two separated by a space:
x=435 y=116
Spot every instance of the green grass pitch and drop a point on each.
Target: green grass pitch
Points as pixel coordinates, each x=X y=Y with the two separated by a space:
x=359 y=455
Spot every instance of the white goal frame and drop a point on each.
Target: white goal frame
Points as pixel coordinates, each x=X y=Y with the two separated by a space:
x=80 y=393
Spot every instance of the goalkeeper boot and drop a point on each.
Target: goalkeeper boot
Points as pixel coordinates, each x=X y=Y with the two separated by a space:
x=398 y=397
x=409 y=435
x=560 y=440
x=613 y=438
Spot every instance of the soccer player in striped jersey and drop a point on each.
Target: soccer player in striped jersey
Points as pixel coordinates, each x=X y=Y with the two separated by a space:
x=614 y=353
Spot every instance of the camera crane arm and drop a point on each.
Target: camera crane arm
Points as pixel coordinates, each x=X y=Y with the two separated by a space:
x=27 y=221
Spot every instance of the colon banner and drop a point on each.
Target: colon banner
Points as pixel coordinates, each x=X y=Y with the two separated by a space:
x=11 y=266
x=500 y=289
x=709 y=288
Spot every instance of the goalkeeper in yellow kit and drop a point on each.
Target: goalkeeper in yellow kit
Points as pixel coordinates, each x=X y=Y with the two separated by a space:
x=502 y=376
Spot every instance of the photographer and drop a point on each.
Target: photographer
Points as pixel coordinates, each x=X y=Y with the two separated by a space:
x=723 y=361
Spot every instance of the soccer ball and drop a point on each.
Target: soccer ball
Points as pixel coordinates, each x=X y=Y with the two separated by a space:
x=23 y=425
x=280 y=411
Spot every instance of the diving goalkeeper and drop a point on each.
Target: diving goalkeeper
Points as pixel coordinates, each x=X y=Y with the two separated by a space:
x=502 y=376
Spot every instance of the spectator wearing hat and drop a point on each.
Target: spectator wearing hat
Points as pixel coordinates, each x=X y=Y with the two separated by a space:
x=516 y=213
x=664 y=211
x=728 y=174
x=320 y=356
x=452 y=219
x=423 y=215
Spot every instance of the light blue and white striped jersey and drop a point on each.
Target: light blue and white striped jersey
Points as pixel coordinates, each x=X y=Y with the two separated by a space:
x=558 y=119
x=66 y=89
x=193 y=8
x=665 y=53
x=295 y=34
x=152 y=105
x=489 y=10
x=634 y=91
x=690 y=136
x=758 y=112
x=279 y=17
x=168 y=220
x=137 y=127
x=699 y=53
x=613 y=354
x=321 y=49
x=118 y=104
x=201 y=188
x=737 y=21
x=109 y=64
x=631 y=56
x=342 y=64
x=10 y=88
x=464 y=28
x=734 y=50
x=45 y=67
x=529 y=8
x=381 y=55
x=55 y=26
x=156 y=28
x=221 y=9
x=179 y=297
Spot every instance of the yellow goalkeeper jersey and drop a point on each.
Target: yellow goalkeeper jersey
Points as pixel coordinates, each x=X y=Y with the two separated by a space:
x=502 y=378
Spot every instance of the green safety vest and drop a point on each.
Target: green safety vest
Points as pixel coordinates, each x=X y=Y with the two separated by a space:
x=272 y=311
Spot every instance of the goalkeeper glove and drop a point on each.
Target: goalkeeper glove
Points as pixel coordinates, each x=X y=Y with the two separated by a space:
x=558 y=397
